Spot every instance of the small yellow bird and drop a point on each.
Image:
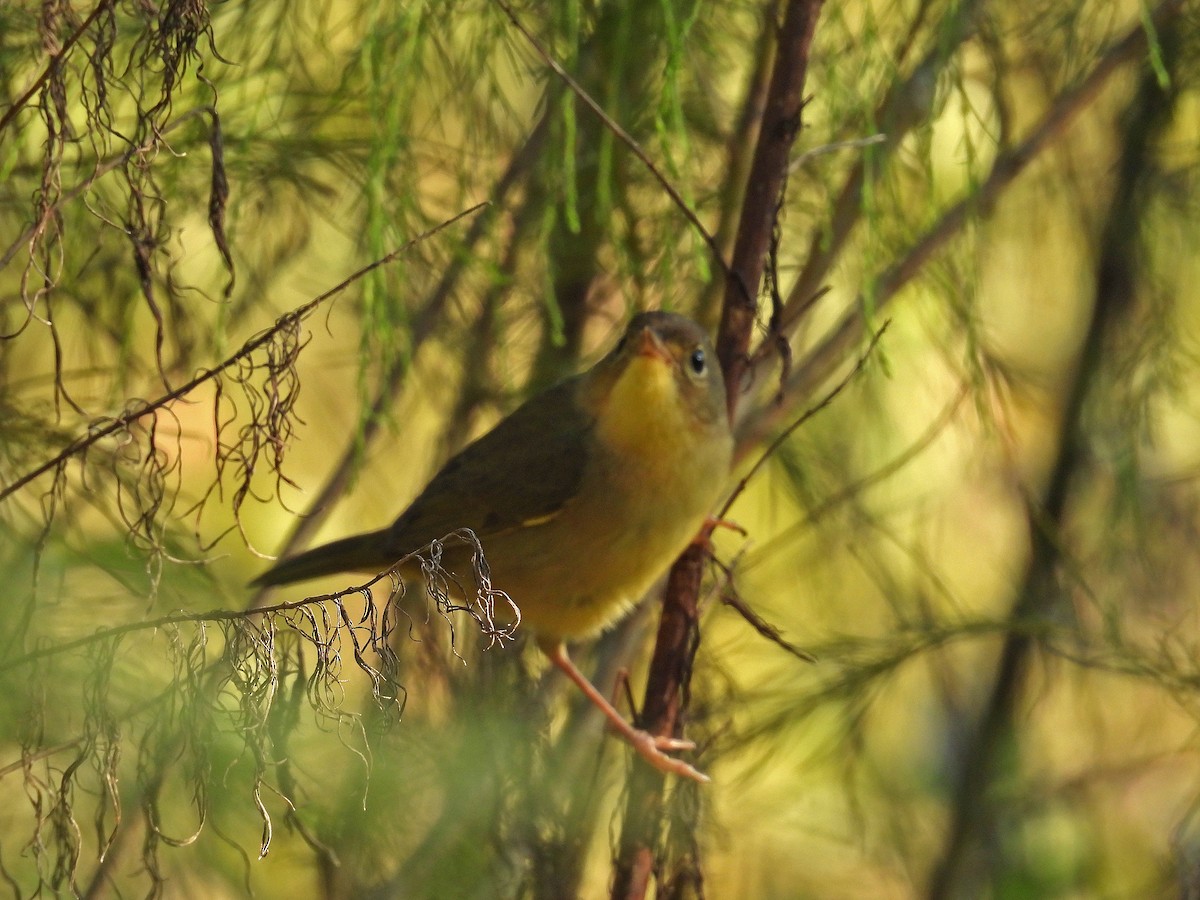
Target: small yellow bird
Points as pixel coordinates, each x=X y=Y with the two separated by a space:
x=580 y=498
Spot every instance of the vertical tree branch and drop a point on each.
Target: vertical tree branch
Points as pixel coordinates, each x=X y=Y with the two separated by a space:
x=670 y=667
x=990 y=755
x=768 y=174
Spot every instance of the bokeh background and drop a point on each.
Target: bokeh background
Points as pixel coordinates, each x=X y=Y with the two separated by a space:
x=986 y=535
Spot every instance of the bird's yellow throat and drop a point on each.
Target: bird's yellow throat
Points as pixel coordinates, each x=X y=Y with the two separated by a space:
x=645 y=413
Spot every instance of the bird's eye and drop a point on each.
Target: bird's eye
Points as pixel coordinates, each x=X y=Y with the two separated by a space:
x=698 y=361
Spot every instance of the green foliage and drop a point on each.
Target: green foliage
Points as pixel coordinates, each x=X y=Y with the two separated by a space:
x=236 y=309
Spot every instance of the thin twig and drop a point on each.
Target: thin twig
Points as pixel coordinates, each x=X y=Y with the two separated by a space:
x=804 y=417
x=121 y=422
x=836 y=147
x=182 y=618
x=628 y=140
x=731 y=598
x=423 y=326
x=70 y=42
x=885 y=471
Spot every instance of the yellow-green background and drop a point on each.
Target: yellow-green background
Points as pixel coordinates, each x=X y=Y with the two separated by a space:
x=348 y=129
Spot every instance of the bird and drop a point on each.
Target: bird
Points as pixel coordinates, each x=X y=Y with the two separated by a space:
x=580 y=498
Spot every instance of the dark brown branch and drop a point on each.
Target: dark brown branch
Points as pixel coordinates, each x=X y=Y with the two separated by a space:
x=739 y=152
x=669 y=678
x=768 y=174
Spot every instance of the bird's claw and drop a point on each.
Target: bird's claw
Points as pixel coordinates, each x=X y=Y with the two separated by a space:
x=653 y=747
x=671 y=744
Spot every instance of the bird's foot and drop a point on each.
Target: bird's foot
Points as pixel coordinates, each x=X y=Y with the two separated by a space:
x=651 y=747
x=654 y=749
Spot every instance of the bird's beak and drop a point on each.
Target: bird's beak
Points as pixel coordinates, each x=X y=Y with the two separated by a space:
x=651 y=346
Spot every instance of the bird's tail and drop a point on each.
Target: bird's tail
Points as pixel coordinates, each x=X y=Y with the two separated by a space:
x=361 y=553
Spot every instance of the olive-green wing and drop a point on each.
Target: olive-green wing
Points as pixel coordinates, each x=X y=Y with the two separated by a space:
x=523 y=471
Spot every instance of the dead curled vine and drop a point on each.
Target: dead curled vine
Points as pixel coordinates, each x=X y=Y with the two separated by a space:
x=233 y=693
x=238 y=682
x=102 y=104
x=261 y=439
x=137 y=454
x=88 y=77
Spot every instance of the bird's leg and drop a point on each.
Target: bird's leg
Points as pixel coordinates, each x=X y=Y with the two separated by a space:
x=650 y=746
x=710 y=525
